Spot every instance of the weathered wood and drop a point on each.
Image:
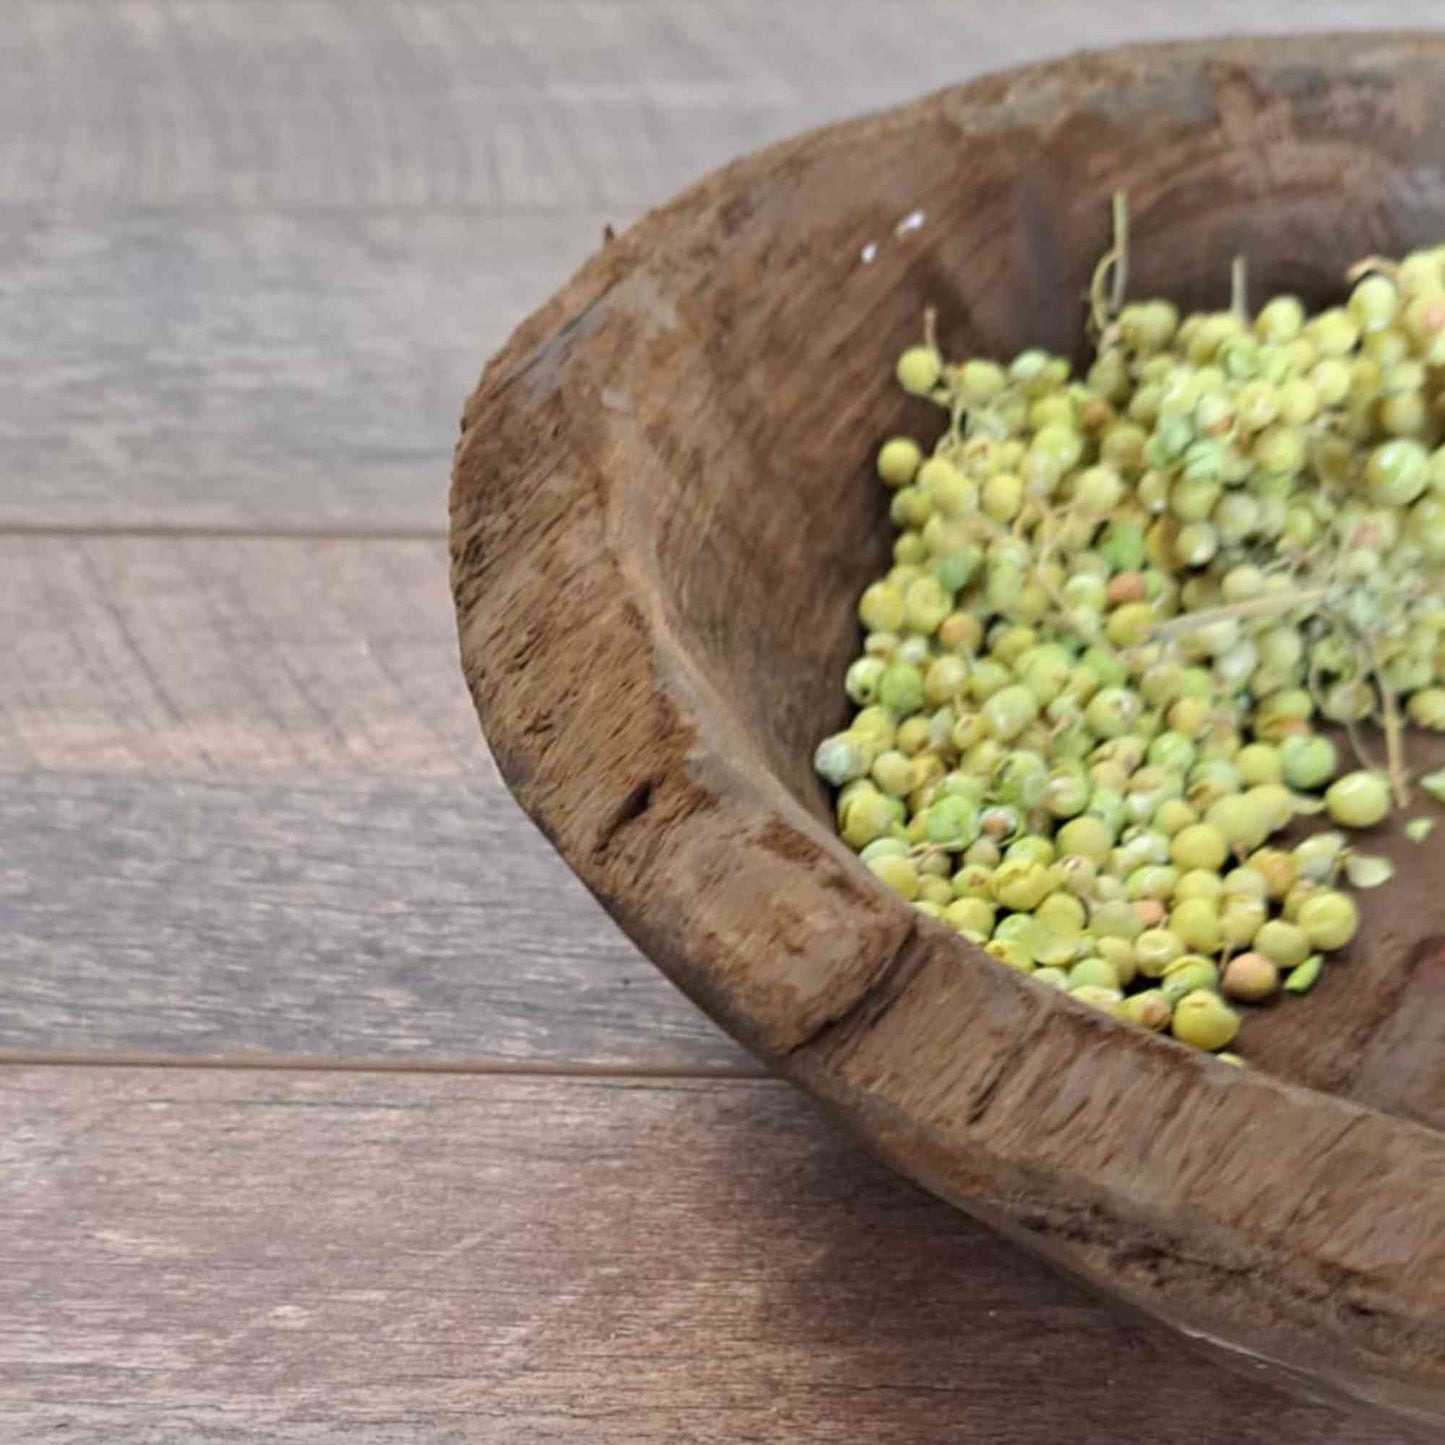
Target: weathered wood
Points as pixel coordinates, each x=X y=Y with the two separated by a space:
x=384 y=920
x=200 y=1255
x=246 y=809
x=661 y=519
x=242 y=370
x=507 y=107
x=515 y=104
x=287 y=842
x=232 y=300
x=232 y=657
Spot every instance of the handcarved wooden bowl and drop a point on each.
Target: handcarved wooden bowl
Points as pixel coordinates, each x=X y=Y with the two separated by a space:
x=662 y=514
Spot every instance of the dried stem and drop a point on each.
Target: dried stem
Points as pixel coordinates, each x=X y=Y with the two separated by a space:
x=1363 y=755
x=956 y=412
x=1120 y=209
x=1113 y=268
x=1239 y=288
x=1395 y=764
x=1382 y=265
x=1239 y=612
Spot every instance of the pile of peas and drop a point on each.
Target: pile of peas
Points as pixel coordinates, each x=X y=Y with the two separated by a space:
x=1137 y=623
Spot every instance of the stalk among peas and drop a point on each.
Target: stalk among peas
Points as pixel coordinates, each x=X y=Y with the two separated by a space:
x=1138 y=623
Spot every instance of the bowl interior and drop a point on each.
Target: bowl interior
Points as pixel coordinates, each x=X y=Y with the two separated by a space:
x=756 y=510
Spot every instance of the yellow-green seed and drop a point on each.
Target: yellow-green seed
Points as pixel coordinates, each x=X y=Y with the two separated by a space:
x=899 y=874
x=1195 y=922
x=973 y=916
x=919 y=370
x=1200 y=845
x=1203 y=1019
x=1052 y=749
x=1286 y=943
x=1149 y=1010
x=1106 y=1000
x=1093 y=971
x=1189 y=972
x=1118 y=953
x=1013 y=954
x=1358 y=800
x=1020 y=884
x=898 y=461
x=1329 y=919
x=1240 y=919
x=935 y=890
x=1251 y=977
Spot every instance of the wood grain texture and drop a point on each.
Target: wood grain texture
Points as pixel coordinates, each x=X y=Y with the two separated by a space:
x=653 y=661
x=251 y=254
x=389 y=920
x=263 y=371
x=193 y=1256
x=234 y=299
x=247 y=809
x=227 y=657
x=510 y=105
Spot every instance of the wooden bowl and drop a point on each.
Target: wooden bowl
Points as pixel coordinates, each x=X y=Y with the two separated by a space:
x=663 y=511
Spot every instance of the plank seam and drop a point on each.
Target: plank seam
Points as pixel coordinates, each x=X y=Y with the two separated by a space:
x=502 y=1068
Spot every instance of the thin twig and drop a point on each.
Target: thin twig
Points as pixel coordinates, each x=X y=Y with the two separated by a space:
x=1239 y=612
x=1395 y=750
x=1357 y=746
x=1394 y=731
x=1050 y=536
x=1120 y=209
x=1363 y=755
x=956 y=410
x=1113 y=266
x=1380 y=265
x=1239 y=288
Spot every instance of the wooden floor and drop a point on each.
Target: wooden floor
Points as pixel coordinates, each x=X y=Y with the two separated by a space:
x=333 y=1108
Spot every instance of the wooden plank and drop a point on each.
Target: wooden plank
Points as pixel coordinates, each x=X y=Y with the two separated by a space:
x=286 y=343
x=247 y=807
x=505 y=106
x=254 y=370
x=508 y=105
x=238 y=657
x=200 y=1255
x=415 y=920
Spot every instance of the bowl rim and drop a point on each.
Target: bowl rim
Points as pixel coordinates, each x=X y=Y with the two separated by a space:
x=1280 y=1272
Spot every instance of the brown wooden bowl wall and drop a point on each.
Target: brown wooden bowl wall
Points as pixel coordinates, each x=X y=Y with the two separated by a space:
x=662 y=514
